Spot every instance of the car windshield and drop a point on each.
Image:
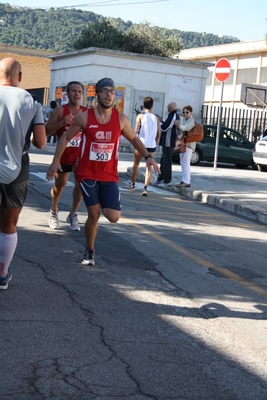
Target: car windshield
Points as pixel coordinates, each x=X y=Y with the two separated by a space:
x=228 y=134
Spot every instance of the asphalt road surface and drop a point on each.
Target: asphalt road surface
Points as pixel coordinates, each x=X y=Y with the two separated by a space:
x=175 y=307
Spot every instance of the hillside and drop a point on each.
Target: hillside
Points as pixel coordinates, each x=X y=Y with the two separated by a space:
x=56 y=29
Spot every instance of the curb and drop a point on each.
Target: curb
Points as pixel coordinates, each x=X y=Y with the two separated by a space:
x=224 y=203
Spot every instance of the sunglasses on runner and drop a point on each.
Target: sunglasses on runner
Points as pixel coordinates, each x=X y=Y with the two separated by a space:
x=106 y=91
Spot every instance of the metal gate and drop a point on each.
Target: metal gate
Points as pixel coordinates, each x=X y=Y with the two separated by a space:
x=251 y=122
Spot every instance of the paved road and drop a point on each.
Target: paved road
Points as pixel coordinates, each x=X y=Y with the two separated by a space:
x=154 y=319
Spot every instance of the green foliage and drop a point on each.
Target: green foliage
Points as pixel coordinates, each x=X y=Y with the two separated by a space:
x=101 y=33
x=60 y=30
x=140 y=38
x=153 y=40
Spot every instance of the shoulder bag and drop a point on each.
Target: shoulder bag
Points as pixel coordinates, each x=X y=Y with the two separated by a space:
x=196 y=134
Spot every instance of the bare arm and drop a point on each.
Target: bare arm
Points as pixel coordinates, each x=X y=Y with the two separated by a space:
x=56 y=122
x=129 y=134
x=38 y=136
x=138 y=123
x=78 y=124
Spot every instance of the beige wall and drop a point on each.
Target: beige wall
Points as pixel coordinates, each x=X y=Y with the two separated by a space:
x=35 y=65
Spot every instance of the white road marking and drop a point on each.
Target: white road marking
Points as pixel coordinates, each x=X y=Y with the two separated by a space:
x=42 y=175
x=139 y=186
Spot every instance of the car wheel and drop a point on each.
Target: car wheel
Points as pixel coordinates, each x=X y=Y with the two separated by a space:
x=195 y=157
x=241 y=166
x=262 y=168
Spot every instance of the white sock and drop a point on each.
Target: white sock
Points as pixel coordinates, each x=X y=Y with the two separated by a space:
x=8 y=244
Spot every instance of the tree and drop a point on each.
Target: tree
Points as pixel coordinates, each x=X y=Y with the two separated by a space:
x=139 y=38
x=147 y=39
x=101 y=33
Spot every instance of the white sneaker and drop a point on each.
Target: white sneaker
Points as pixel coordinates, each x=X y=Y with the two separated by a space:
x=72 y=219
x=163 y=185
x=53 y=220
x=88 y=257
x=131 y=186
x=144 y=192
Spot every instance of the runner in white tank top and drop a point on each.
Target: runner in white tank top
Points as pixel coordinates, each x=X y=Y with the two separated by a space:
x=148 y=130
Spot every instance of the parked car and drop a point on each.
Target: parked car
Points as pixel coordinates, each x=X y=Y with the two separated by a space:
x=260 y=154
x=233 y=148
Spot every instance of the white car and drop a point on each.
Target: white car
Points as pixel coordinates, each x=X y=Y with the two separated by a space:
x=260 y=154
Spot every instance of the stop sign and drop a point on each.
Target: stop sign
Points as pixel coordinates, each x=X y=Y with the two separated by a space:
x=222 y=70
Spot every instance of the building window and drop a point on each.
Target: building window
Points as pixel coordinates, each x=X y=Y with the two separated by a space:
x=263 y=77
x=246 y=75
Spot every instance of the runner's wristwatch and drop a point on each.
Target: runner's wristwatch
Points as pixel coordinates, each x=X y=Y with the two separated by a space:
x=148 y=156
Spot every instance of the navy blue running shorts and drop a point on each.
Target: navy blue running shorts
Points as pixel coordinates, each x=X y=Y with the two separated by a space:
x=106 y=194
x=151 y=150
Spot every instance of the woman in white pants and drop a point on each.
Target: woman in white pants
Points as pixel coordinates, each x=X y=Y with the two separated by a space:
x=186 y=123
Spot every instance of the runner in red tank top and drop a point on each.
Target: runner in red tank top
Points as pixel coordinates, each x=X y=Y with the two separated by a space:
x=97 y=163
x=59 y=121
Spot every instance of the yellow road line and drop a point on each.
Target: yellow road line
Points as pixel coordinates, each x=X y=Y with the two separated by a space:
x=224 y=271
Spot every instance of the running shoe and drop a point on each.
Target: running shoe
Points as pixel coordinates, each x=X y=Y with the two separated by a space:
x=72 y=219
x=144 y=192
x=4 y=280
x=132 y=187
x=88 y=257
x=53 y=220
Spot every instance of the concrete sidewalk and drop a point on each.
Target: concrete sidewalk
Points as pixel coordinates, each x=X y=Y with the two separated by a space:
x=235 y=190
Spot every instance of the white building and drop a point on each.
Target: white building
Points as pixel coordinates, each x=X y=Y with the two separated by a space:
x=135 y=76
x=248 y=67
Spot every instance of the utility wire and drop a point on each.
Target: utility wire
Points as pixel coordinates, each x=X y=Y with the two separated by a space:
x=105 y=4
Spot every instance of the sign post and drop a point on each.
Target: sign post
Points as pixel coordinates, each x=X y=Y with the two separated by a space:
x=222 y=73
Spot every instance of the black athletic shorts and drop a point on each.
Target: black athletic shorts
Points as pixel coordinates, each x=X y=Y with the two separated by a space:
x=66 y=168
x=13 y=195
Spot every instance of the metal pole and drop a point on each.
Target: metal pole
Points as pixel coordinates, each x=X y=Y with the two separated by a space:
x=218 y=130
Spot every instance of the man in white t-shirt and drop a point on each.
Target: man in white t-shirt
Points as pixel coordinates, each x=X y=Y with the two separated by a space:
x=148 y=130
x=20 y=115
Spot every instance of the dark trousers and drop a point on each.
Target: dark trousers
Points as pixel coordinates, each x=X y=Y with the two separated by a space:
x=166 y=165
x=54 y=136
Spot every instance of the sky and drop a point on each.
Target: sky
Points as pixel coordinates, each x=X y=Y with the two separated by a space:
x=243 y=19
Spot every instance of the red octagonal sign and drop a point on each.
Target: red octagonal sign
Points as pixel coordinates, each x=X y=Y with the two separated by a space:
x=222 y=70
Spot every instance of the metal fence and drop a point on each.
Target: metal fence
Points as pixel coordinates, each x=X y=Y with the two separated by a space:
x=250 y=122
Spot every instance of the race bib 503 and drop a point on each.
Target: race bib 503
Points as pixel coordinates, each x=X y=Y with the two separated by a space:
x=101 y=151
